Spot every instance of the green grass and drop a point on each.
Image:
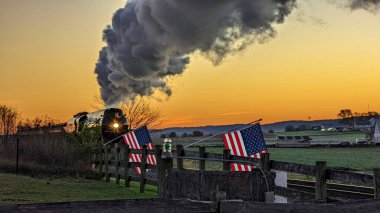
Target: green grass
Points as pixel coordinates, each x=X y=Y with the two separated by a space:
x=319 y=136
x=21 y=189
x=354 y=158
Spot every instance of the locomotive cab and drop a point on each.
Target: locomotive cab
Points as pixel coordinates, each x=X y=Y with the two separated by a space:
x=111 y=121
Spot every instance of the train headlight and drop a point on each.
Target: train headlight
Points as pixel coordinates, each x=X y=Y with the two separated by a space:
x=115 y=125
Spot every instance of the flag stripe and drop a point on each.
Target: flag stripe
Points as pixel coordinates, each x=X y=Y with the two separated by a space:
x=133 y=139
x=227 y=144
x=135 y=146
x=235 y=151
x=249 y=140
x=239 y=149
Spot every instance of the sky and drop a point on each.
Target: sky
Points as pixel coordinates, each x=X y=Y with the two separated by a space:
x=323 y=59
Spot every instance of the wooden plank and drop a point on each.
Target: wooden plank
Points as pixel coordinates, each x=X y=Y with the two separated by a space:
x=376 y=173
x=292 y=167
x=350 y=177
x=214 y=156
x=191 y=154
x=293 y=193
x=320 y=181
x=126 y=166
x=117 y=163
x=202 y=154
x=227 y=156
x=139 y=151
x=143 y=168
x=252 y=160
x=180 y=153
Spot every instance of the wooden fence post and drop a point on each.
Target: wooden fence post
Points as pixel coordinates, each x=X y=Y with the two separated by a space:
x=107 y=162
x=166 y=167
x=202 y=154
x=180 y=153
x=320 y=181
x=227 y=156
x=265 y=161
x=160 y=183
x=117 y=163
x=126 y=166
x=143 y=168
x=101 y=161
x=376 y=177
x=17 y=153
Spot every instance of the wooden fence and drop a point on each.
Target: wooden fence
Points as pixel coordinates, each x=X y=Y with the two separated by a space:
x=320 y=171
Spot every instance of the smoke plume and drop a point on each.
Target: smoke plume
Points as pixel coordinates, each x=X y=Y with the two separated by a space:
x=150 y=40
x=369 y=5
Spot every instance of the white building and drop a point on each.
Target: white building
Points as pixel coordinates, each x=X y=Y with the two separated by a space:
x=376 y=131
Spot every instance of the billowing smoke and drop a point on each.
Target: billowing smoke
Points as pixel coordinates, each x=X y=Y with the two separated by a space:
x=372 y=6
x=150 y=40
x=369 y=5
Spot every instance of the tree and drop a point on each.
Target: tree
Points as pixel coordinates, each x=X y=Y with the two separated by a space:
x=8 y=120
x=172 y=135
x=184 y=135
x=197 y=133
x=271 y=131
x=289 y=128
x=346 y=117
x=138 y=112
x=302 y=127
x=345 y=113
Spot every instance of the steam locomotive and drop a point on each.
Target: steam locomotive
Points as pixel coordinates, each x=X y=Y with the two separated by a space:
x=112 y=122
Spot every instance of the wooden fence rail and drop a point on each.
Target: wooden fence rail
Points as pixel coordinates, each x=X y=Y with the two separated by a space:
x=122 y=167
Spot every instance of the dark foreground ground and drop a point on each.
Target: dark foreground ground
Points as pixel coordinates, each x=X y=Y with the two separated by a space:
x=168 y=206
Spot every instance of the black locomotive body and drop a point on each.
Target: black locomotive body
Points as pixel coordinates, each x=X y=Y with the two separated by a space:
x=111 y=121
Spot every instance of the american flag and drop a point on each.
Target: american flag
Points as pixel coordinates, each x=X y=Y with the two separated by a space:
x=136 y=139
x=248 y=142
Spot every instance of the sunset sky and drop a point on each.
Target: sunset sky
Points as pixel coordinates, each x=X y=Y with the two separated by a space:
x=323 y=59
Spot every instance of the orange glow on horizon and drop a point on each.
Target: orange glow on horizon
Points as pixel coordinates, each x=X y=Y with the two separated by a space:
x=49 y=50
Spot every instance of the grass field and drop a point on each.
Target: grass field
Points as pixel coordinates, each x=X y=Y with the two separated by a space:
x=319 y=136
x=354 y=158
x=21 y=189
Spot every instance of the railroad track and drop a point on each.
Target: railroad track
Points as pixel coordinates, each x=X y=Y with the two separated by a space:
x=334 y=189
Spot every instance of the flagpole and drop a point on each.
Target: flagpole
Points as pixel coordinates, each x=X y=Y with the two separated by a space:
x=212 y=136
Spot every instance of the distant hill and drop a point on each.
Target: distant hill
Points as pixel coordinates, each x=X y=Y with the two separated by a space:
x=277 y=127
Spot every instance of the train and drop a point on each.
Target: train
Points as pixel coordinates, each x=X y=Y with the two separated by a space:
x=112 y=121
